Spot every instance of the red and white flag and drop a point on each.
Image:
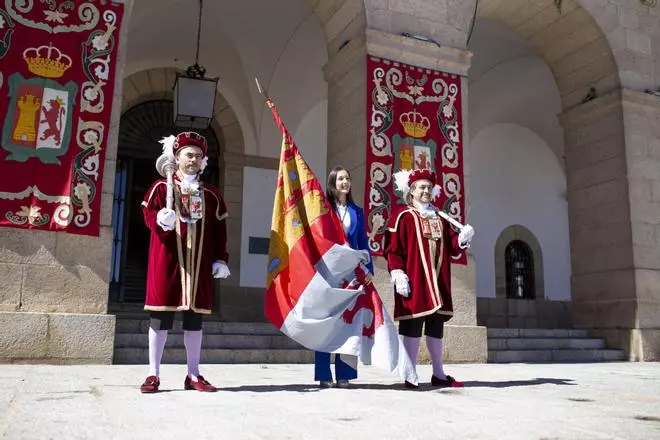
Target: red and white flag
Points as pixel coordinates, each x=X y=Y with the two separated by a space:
x=319 y=293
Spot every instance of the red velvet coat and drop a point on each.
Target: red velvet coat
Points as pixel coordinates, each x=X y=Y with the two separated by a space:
x=425 y=261
x=179 y=275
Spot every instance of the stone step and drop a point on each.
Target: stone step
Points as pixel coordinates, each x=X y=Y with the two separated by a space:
x=218 y=356
x=210 y=327
x=536 y=333
x=532 y=356
x=212 y=341
x=544 y=343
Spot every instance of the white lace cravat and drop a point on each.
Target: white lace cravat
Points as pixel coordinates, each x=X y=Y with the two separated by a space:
x=189 y=183
x=426 y=209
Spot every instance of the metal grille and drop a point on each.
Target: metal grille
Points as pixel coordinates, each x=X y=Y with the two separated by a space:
x=519 y=270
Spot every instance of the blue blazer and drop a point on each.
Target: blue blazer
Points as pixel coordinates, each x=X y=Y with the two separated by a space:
x=357 y=233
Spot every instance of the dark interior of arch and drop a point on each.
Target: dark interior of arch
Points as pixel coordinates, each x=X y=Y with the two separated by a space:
x=142 y=126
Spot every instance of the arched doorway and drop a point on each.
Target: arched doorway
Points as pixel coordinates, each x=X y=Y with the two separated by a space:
x=140 y=129
x=519 y=262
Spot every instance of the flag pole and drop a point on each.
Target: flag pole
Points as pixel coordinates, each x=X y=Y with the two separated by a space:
x=263 y=93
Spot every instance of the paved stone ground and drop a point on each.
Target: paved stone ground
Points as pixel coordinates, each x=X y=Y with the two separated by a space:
x=516 y=401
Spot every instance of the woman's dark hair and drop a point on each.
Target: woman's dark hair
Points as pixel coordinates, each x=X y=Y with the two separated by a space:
x=331 y=187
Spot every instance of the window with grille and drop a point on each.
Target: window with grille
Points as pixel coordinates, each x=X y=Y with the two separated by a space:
x=519 y=270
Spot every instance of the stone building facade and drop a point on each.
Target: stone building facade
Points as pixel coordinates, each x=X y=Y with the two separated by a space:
x=55 y=299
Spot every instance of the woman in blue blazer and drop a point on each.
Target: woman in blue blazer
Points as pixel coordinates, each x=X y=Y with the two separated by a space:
x=338 y=191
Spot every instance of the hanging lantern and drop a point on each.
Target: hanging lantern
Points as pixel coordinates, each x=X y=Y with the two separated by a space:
x=194 y=100
x=194 y=94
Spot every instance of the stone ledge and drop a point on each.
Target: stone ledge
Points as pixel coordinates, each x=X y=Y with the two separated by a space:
x=640 y=345
x=418 y=53
x=56 y=338
x=462 y=344
x=582 y=115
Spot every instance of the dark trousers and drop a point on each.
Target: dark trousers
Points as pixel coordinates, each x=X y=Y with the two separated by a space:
x=343 y=371
x=165 y=320
x=434 y=326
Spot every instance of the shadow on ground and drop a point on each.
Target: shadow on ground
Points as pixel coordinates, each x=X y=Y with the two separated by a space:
x=306 y=388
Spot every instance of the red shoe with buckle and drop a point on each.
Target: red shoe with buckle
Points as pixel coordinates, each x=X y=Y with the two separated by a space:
x=150 y=385
x=200 y=385
x=449 y=382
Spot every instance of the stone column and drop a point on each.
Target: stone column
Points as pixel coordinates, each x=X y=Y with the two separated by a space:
x=613 y=166
x=347 y=140
x=54 y=298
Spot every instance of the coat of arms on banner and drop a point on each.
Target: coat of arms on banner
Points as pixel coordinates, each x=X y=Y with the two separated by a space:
x=412 y=154
x=57 y=74
x=413 y=122
x=38 y=121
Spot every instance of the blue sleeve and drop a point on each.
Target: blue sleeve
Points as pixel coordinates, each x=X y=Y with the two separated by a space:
x=362 y=239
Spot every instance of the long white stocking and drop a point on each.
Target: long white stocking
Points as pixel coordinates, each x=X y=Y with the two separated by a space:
x=193 y=342
x=157 y=339
x=412 y=348
x=435 y=350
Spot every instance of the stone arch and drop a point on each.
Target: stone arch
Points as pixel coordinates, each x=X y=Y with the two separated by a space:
x=574 y=46
x=341 y=20
x=157 y=83
x=446 y=22
x=518 y=232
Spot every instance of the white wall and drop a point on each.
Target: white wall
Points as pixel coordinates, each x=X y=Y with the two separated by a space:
x=516 y=179
x=510 y=82
x=514 y=161
x=258 y=195
x=312 y=139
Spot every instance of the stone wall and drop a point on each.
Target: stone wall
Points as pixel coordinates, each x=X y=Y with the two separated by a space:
x=53 y=308
x=523 y=313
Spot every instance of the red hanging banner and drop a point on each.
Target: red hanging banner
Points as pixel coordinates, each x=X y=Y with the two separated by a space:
x=414 y=121
x=57 y=72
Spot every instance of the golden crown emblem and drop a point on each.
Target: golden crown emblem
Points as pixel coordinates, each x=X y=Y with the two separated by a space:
x=415 y=124
x=46 y=61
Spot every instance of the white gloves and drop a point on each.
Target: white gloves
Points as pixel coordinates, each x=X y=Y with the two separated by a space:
x=465 y=237
x=400 y=281
x=220 y=269
x=166 y=219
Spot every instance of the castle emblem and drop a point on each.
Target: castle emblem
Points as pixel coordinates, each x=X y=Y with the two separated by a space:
x=39 y=118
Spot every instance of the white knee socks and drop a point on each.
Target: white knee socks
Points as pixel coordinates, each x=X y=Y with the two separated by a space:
x=157 y=339
x=193 y=342
x=435 y=350
x=412 y=348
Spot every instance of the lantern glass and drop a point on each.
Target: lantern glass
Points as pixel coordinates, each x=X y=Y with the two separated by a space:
x=194 y=100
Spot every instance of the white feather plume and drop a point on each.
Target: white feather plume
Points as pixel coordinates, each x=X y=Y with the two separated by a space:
x=401 y=180
x=437 y=190
x=168 y=145
x=205 y=162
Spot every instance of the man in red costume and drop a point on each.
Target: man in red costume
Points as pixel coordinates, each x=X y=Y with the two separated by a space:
x=188 y=249
x=419 y=247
